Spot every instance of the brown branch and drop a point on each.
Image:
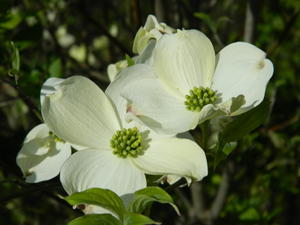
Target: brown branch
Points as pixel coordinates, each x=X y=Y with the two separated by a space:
x=285 y=124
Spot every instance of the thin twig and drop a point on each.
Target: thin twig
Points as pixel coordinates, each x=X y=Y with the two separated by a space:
x=31 y=105
x=249 y=23
x=221 y=195
x=197 y=198
x=175 y=185
x=184 y=199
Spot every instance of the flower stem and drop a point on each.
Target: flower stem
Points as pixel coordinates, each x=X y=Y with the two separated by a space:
x=204 y=134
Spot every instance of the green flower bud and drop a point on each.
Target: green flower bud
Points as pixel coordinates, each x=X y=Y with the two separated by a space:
x=199 y=97
x=127 y=142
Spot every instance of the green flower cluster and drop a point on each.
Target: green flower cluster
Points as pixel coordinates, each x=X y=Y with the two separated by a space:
x=199 y=97
x=127 y=142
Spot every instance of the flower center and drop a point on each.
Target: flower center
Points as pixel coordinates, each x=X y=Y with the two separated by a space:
x=199 y=97
x=127 y=142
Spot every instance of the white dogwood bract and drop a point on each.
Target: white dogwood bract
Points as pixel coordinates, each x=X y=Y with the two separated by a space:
x=42 y=155
x=119 y=152
x=187 y=84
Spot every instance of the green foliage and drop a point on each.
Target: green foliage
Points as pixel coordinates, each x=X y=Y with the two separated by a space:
x=137 y=219
x=99 y=197
x=15 y=58
x=144 y=198
x=244 y=124
x=39 y=39
x=109 y=200
x=95 y=219
x=129 y=60
x=55 y=68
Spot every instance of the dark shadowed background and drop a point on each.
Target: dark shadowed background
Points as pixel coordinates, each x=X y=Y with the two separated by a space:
x=258 y=183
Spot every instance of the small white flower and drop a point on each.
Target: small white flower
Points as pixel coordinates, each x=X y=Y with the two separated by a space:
x=145 y=57
x=152 y=30
x=143 y=45
x=114 y=69
x=42 y=155
x=119 y=152
x=186 y=83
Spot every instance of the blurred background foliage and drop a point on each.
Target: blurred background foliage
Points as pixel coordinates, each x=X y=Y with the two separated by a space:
x=257 y=183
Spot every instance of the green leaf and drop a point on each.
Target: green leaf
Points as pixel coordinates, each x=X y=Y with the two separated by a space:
x=206 y=19
x=244 y=124
x=229 y=147
x=250 y=214
x=95 y=219
x=15 y=58
x=12 y=21
x=144 y=198
x=55 y=68
x=137 y=219
x=221 y=154
x=100 y=197
x=129 y=60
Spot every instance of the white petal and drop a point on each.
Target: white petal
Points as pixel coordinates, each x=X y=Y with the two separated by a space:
x=184 y=60
x=150 y=102
x=173 y=156
x=146 y=56
x=78 y=147
x=41 y=157
x=210 y=111
x=96 y=168
x=151 y=23
x=242 y=69
x=94 y=209
x=80 y=113
x=232 y=105
x=114 y=69
x=172 y=179
x=49 y=87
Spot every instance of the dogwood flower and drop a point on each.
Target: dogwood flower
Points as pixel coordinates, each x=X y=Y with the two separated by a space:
x=151 y=30
x=118 y=152
x=186 y=84
x=143 y=45
x=42 y=154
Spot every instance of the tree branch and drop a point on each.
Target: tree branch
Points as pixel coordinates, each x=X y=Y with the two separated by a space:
x=35 y=111
x=249 y=23
x=221 y=195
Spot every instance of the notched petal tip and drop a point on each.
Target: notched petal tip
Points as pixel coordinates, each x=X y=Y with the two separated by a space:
x=56 y=95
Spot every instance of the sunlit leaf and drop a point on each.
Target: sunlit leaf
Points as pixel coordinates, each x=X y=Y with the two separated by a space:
x=130 y=61
x=145 y=197
x=137 y=219
x=244 y=124
x=55 y=68
x=95 y=219
x=100 y=197
x=15 y=58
